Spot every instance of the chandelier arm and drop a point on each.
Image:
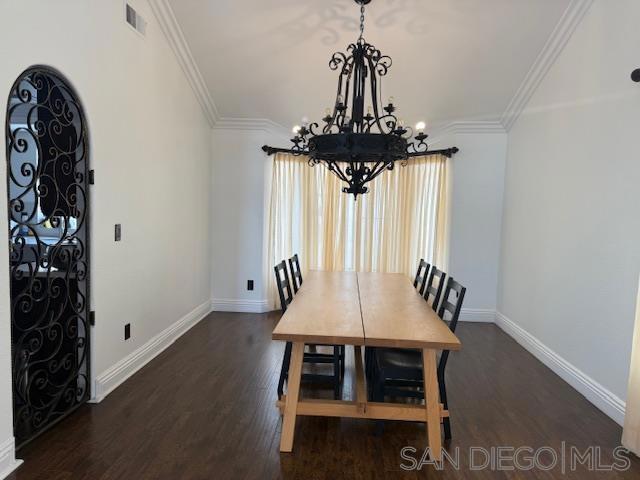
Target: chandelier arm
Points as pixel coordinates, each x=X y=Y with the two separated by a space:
x=419 y=147
x=334 y=167
x=341 y=112
x=331 y=122
x=343 y=62
x=394 y=123
x=374 y=95
x=337 y=59
x=379 y=94
x=377 y=169
x=345 y=100
x=312 y=126
x=384 y=166
x=359 y=89
x=336 y=113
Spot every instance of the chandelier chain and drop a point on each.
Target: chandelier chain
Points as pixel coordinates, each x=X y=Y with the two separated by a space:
x=361 y=21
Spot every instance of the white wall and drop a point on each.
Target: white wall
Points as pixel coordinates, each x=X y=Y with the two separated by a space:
x=476 y=216
x=241 y=172
x=7 y=452
x=571 y=229
x=151 y=150
x=238 y=215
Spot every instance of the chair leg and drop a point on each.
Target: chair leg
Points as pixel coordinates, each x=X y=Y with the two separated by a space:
x=342 y=360
x=284 y=370
x=369 y=370
x=367 y=367
x=378 y=396
x=447 y=428
x=336 y=372
x=443 y=398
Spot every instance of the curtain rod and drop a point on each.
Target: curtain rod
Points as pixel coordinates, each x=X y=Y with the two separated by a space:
x=447 y=152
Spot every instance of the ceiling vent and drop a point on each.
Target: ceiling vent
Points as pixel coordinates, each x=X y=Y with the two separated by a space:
x=135 y=20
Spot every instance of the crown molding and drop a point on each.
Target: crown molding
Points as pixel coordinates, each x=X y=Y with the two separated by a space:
x=440 y=134
x=251 y=124
x=172 y=31
x=556 y=42
x=473 y=127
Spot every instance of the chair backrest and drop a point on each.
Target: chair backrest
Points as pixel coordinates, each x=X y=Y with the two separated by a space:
x=421 y=276
x=433 y=292
x=284 y=286
x=450 y=307
x=296 y=273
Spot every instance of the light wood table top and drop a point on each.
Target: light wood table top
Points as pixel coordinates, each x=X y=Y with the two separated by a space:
x=326 y=309
x=374 y=309
x=394 y=314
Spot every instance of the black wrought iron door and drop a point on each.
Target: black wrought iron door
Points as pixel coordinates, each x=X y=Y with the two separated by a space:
x=47 y=178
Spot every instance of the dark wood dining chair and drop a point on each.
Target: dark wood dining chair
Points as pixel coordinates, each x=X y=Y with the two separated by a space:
x=284 y=292
x=284 y=285
x=296 y=280
x=419 y=283
x=286 y=296
x=433 y=292
x=296 y=273
x=421 y=276
x=399 y=372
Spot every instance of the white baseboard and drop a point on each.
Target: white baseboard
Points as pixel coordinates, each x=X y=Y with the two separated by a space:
x=484 y=315
x=612 y=405
x=111 y=378
x=242 y=306
x=8 y=462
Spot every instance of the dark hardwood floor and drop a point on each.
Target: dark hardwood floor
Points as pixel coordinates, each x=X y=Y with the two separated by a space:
x=205 y=409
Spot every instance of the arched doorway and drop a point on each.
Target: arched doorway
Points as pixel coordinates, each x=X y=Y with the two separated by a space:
x=47 y=153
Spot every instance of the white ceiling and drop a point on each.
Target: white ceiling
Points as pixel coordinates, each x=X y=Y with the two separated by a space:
x=453 y=60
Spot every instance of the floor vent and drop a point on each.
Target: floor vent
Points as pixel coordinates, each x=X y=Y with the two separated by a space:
x=135 y=20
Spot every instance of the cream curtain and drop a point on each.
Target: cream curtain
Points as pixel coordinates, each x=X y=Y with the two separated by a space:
x=403 y=218
x=631 y=432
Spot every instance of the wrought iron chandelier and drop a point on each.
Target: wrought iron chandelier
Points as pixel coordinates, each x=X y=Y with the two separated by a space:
x=358 y=145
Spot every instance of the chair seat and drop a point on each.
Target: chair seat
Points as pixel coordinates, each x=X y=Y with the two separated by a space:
x=400 y=363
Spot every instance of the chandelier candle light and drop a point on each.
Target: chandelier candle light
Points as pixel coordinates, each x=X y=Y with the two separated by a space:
x=355 y=145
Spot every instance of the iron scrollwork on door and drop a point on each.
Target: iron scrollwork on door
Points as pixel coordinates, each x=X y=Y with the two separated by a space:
x=47 y=178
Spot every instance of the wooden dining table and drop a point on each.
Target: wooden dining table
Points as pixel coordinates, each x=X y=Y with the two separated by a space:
x=363 y=309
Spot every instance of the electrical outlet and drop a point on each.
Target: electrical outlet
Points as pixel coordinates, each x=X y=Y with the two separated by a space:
x=127 y=331
x=249 y=284
x=118 y=232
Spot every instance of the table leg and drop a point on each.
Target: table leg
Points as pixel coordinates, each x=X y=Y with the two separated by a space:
x=293 y=392
x=432 y=400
